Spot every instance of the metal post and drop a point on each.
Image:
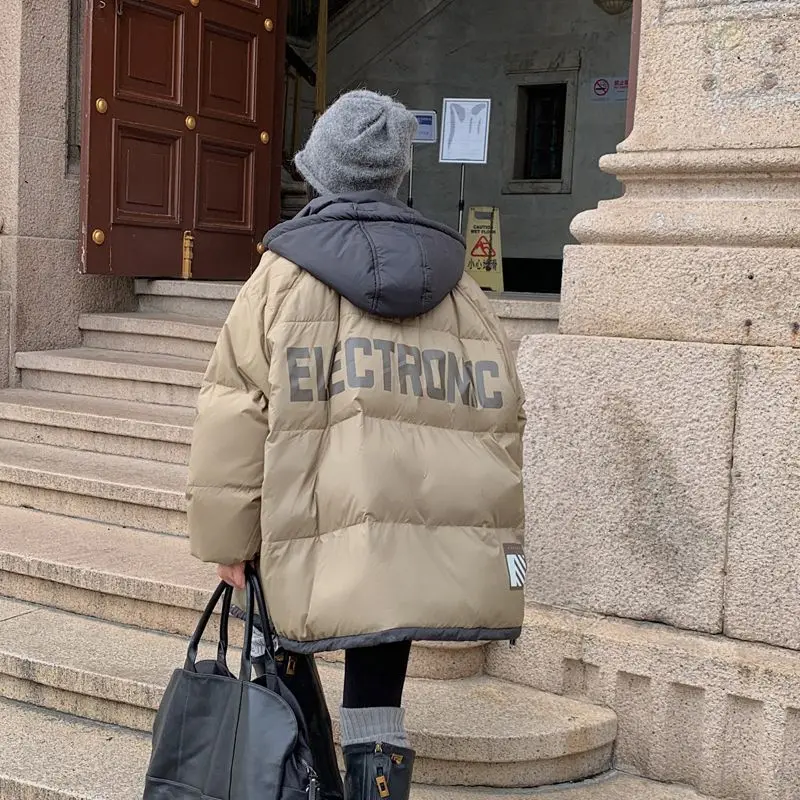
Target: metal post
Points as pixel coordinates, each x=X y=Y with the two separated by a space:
x=322 y=59
x=411 y=180
x=461 y=199
x=296 y=116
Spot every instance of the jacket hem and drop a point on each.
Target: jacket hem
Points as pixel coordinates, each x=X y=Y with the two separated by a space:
x=401 y=635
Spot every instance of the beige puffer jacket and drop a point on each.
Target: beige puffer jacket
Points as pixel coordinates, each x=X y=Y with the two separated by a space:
x=374 y=462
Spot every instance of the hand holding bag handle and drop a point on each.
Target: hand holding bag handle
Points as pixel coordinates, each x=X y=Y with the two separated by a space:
x=225 y=592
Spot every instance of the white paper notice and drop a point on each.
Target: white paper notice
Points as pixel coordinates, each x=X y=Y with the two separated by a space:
x=465 y=131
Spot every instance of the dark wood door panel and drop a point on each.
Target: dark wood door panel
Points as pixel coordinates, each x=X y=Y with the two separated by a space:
x=238 y=145
x=147 y=252
x=187 y=138
x=225 y=186
x=147 y=176
x=150 y=54
x=228 y=65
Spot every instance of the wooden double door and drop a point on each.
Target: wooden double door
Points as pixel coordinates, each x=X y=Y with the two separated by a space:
x=181 y=145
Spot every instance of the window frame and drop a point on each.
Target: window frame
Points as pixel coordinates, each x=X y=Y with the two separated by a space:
x=517 y=126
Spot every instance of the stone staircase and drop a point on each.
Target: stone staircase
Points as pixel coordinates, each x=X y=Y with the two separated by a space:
x=98 y=592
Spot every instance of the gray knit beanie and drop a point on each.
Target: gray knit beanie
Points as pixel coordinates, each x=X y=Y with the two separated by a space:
x=362 y=142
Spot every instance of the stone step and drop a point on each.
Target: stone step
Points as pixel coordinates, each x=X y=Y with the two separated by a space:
x=45 y=755
x=163 y=334
x=526 y=314
x=206 y=299
x=437 y=660
x=522 y=314
x=138 y=377
x=129 y=492
x=143 y=579
x=472 y=732
x=114 y=427
x=148 y=580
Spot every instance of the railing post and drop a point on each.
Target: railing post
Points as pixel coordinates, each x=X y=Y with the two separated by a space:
x=322 y=58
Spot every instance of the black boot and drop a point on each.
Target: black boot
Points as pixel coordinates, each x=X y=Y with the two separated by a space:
x=299 y=673
x=378 y=772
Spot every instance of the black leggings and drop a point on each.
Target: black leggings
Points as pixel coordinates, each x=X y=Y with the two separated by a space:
x=374 y=677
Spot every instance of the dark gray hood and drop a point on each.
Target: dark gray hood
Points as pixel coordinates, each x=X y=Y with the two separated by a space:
x=381 y=255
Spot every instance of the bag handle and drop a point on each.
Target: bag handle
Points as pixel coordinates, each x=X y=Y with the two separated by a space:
x=222 y=647
x=255 y=598
x=223 y=590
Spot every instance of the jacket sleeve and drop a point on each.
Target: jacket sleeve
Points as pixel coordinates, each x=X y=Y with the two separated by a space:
x=226 y=465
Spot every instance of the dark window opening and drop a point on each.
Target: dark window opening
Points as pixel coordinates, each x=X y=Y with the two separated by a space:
x=532 y=275
x=542 y=112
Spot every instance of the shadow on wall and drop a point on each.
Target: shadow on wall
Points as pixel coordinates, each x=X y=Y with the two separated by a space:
x=660 y=513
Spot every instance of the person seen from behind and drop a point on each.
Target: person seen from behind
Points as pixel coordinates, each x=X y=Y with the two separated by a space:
x=360 y=435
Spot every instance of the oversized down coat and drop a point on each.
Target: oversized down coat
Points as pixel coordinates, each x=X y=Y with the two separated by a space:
x=360 y=428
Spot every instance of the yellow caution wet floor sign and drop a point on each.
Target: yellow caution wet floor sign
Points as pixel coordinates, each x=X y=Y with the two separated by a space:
x=484 y=247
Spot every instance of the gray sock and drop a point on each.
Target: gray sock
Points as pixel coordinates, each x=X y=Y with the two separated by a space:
x=367 y=725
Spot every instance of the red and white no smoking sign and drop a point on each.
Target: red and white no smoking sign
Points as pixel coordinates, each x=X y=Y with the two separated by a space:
x=610 y=90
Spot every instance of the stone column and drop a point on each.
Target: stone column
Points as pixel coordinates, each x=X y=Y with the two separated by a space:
x=41 y=291
x=663 y=452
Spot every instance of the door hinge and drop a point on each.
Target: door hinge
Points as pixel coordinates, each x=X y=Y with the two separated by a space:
x=188 y=255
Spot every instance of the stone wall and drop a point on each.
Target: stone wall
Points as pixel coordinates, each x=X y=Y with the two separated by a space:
x=39 y=258
x=662 y=467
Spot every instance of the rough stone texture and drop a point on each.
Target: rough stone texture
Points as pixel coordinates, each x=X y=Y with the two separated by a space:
x=526 y=315
x=99 y=558
x=706 y=294
x=761 y=599
x=5 y=332
x=628 y=451
x=142 y=377
x=88 y=761
x=445 y=662
x=738 y=54
x=615 y=786
x=493 y=732
x=113 y=489
x=10 y=34
x=38 y=200
x=50 y=294
x=704 y=710
x=158 y=333
x=542 y=772
x=98 y=425
x=83 y=761
x=205 y=300
x=704 y=238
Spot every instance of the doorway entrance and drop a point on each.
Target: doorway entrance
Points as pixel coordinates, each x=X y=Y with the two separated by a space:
x=182 y=134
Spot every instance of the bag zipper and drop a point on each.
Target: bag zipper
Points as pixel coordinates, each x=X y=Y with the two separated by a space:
x=313 y=782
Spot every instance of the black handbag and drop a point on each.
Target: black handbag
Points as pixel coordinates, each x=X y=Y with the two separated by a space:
x=219 y=737
x=300 y=674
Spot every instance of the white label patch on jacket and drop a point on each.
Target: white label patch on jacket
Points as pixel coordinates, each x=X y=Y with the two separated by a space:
x=517 y=566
